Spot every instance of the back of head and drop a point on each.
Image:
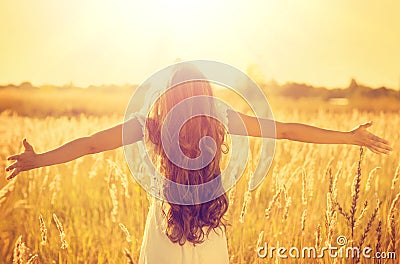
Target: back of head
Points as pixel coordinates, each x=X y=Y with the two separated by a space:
x=188 y=222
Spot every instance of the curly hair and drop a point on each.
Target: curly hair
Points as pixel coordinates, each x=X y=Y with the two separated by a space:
x=190 y=223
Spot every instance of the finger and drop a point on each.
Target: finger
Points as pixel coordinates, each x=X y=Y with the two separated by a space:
x=12 y=166
x=373 y=149
x=13 y=157
x=383 y=146
x=379 y=149
x=379 y=144
x=379 y=139
x=13 y=174
x=27 y=145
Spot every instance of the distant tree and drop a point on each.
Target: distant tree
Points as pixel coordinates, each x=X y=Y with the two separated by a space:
x=353 y=85
x=26 y=85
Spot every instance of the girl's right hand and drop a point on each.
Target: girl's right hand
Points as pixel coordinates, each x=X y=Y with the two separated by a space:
x=24 y=161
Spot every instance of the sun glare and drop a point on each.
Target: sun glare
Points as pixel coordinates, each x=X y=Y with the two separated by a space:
x=324 y=44
x=187 y=18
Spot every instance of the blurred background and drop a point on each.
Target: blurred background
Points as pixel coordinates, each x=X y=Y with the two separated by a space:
x=291 y=48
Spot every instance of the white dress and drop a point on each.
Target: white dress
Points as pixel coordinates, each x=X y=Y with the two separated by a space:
x=157 y=248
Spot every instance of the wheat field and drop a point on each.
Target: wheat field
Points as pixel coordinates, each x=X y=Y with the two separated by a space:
x=92 y=211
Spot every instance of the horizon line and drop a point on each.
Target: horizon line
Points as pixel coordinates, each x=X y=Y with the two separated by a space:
x=272 y=80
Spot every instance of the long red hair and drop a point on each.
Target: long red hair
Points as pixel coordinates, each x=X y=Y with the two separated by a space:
x=190 y=223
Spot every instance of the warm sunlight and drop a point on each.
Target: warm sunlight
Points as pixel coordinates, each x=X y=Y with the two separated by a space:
x=199 y=131
x=92 y=42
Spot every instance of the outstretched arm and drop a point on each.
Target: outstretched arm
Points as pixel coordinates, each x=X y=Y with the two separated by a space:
x=107 y=139
x=260 y=127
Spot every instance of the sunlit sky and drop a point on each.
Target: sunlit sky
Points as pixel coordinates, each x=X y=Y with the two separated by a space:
x=324 y=43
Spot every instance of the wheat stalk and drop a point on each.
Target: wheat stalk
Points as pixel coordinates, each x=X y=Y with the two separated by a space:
x=370 y=178
x=378 y=240
x=126 y=232
x=118 y=173
x=342 y=211
x=288 y=202
x=9 y=187
x=246 y=202
x=33 y=259
x=303 y=220
x=392 y=223
x=259 y=240
x=19 y=251
x=318 y=238
x=114 y=198
x=64 y=244
x=362 y=214
x=330 y=218
x=272 y=203
x=128 y=256
x=43 y=230
x=369 y=224
x=396 y=177
x=355 y=194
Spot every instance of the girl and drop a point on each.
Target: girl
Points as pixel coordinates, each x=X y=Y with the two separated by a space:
x=176 y=233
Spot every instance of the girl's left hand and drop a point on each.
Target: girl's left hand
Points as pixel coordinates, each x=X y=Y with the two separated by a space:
x=362 y=137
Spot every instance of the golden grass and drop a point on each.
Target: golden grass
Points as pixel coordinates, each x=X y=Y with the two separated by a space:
x=296 y=205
